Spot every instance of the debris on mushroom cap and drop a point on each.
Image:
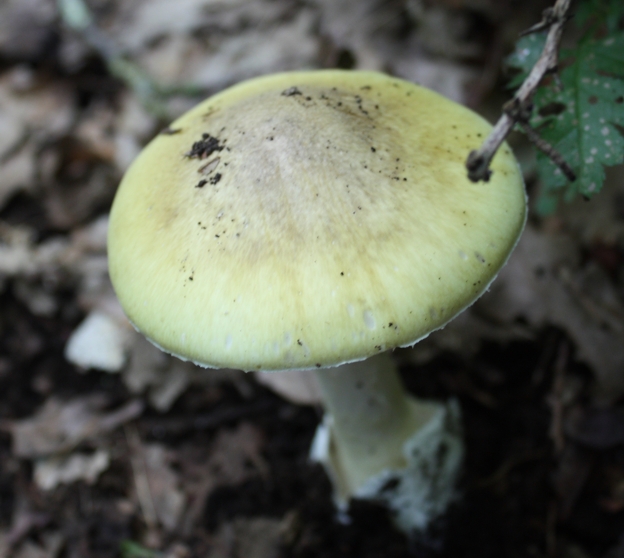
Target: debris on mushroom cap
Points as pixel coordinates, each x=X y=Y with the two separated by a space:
x=310 y=219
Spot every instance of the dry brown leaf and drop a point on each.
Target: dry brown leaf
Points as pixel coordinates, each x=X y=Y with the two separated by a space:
x=52 y=471
x=232 y=58
x=20 y=256
x=61 y=425
x=70 y=200
x=164 y=377
x=94 y=131
x=447 y=77
x=297 y=386
x=4 y=544
x=354 y=25
x=151 y=370
x=51 y=547
x=544 y=284
x=164 y=484
x=24 y=521
x=214 y=43
x=139 y=23
x=234 y=457
x=29 y=118
x=256 y=537
x=232 y=453
x=83 y=255
x=133 y=127
x=26 y=28
x=442 y=30
x=603 y=218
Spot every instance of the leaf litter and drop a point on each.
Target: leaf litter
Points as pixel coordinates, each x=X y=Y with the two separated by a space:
x=117 y=449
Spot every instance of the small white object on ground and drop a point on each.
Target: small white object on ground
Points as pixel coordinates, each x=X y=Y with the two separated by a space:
x=52 y=471
x=98 y=342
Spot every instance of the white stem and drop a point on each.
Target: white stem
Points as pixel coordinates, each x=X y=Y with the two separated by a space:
x=372 y=418
x=379 y=443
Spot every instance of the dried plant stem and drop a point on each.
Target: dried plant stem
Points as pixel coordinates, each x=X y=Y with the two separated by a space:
x=519 y=109
x=141 y=481
x=547 y=149
x=556 y=400
x=77 y=15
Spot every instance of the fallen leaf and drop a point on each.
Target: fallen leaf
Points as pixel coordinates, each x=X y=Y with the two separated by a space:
x=233 y=451
x=60 y=425
x=156 y=483
x=26 y=28
x=165 y=378
x=51 y=547
x=256 y=537
x=545 y=284
x=297 y=386
x=28 y=119
x=52 y=471
x=168 y=498
x=234 y=457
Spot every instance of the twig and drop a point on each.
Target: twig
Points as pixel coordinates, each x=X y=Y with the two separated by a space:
x=141 y=482
x=77 y=15
x=520 y=107
x=503 y=471
x=551 y=529
x=548 y=150
x=556 y=402
x=603 y=315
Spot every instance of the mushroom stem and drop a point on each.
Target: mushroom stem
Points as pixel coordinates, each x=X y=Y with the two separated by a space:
x=377 y=442
x=371 y=415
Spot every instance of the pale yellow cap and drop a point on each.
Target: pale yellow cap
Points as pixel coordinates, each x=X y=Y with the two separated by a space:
x=309 y=219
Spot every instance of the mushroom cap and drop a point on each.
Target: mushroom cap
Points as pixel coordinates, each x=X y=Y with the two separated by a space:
x=309 y=219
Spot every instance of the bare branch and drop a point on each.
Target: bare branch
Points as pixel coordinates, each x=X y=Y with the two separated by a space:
x=519 y=109
x=548 y=150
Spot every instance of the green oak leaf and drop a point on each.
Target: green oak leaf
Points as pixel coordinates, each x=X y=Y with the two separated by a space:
x=525 y=55
x=582 y=116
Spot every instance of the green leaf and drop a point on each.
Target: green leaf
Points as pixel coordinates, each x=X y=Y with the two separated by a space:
x=591 y=107
x=130 y=549
x=525 y=55
x=583 y=120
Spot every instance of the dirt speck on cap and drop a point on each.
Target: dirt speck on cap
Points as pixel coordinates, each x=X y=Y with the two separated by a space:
x=291 y=91
x=204 y=147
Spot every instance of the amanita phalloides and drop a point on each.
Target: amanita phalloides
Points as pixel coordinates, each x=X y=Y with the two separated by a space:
x=314 y=220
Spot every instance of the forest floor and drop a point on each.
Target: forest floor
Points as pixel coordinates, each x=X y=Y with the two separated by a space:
x=110 y=448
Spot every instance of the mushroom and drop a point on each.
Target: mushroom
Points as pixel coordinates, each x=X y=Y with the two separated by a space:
x=313 y=220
